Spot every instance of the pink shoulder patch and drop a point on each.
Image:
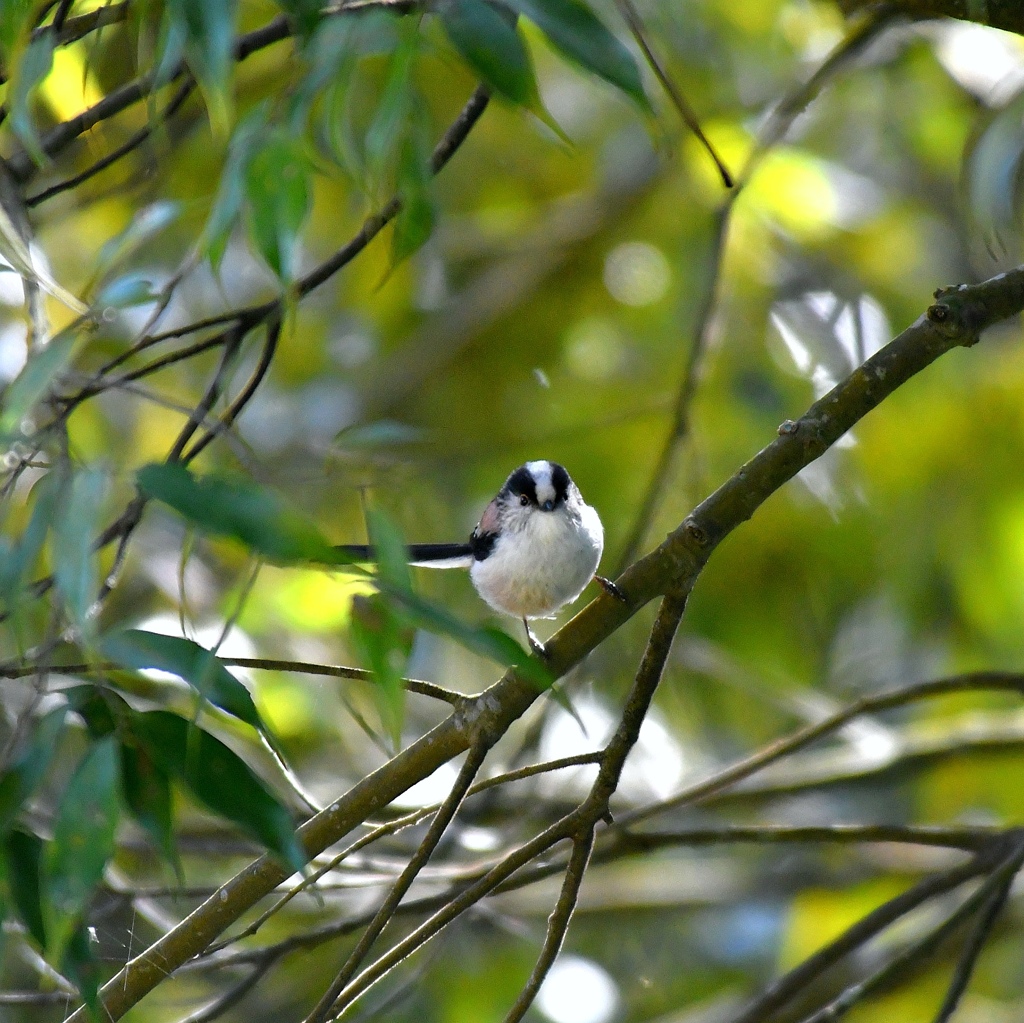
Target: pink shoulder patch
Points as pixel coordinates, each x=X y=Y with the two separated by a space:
x=489 y=519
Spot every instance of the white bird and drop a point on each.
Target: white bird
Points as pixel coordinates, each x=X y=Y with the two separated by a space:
x=535 y=548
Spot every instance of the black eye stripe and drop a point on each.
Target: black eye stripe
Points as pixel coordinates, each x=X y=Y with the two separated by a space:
x=521 y=483
x=560 y=481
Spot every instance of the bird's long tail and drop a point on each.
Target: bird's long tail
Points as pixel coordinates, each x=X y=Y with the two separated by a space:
x=422 y=555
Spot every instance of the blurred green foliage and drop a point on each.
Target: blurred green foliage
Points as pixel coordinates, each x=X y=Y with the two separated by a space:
x=538 y=298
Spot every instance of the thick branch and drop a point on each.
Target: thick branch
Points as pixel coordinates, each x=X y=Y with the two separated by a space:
x=955 y=320
x=1005 y=14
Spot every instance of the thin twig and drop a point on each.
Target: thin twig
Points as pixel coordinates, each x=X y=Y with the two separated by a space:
x=991 y=909
x=636 y=26
x=233 y=995
x=237 y=407
x=331 y=1003
x=558 y=924
x=619 y=839
x=918 y=952
x=788 y=986
x=995 y=680
x=184 y=91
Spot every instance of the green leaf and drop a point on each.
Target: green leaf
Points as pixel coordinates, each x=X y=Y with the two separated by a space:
x=99 y=708
x=209 y=34
x=144 y=226
x=34 y=66
x=138 y=649
x=22 y=555
x=83 y=969
x=20 y=781
x=383 y=433
x=256 y=517
x=278 y=202
x=22 y=862
x=15 y=23
x=383 y=641
x=76 y=524
x=390 y=551
x=220 y=779
x=231 y=192
x=34 y=380
x=388 y=128
x=130 y=290
x=491 y=45
x=575 y=30
x=415 y=221
x=83 y=840
x=147 y=793
x=491 y=643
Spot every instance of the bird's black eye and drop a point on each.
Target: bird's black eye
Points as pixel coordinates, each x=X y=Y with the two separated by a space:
x=524 y=500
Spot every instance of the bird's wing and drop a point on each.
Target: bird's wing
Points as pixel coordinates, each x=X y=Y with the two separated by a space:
x=422 y=555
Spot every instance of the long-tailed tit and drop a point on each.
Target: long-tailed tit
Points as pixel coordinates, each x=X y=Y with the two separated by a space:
x=535 y=548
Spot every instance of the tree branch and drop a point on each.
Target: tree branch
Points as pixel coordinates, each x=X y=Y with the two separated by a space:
x=789 y=985
x=1004 y=14
x=558 y=924
x=955 y=320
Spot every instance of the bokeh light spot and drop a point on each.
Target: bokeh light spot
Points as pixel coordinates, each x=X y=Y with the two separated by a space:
x=577 y=991
x=637 y=273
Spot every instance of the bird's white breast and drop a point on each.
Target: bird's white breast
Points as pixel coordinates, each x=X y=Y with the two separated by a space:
x=534 y=571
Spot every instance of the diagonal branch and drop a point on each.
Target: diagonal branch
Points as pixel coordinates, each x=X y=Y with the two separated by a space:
x=1004 y=14
x=791 y=984
x=955 y=320
x=326 y=1007
x=558 y=924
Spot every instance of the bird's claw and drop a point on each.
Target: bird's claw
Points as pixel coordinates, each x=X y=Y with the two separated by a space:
x=611 y=589
x=536 y=646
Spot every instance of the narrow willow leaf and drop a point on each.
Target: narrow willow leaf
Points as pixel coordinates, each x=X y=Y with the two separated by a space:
x=82 y=968
x=487 y=38
x=83 y=840
x=575 y=30
x=15 y=249
x=22 y=865
x=147 y=793
x=256 y=517
x=491 y=643
x=209 y=38
x=227 y=206
x=219 y=778
x=73 y=540
x=387 y=130
x=21 y=556
x=304 y=14
x=383 y=641
x=415 y=221
x=32 y=383
x=98 y=707
x=139 y=649
x=34 y=65
x=278 y=202
x=390 y=550
x=145 y=225
x=20 y=780
x=124 y=292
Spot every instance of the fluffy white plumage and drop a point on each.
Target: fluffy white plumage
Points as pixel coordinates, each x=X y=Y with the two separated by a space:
x=541 y=559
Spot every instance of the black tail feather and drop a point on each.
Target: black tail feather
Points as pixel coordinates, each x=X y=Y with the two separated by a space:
x=417 y=552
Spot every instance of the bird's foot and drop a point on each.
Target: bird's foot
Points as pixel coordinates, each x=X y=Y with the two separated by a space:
x=535 y=644
x=611 y=589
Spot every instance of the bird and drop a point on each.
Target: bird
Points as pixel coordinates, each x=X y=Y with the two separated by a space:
x=536 y=547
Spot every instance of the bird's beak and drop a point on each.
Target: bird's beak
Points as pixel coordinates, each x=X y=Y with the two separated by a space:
x=547 y=506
